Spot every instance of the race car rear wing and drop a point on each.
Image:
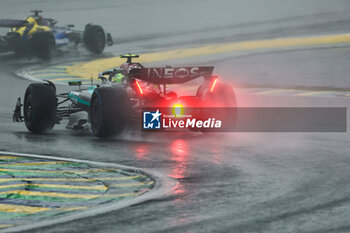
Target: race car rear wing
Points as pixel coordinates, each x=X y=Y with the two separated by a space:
x=12 y=23
x=171 y=75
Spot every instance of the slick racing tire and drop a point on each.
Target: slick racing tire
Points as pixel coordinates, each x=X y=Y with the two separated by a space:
x=43 y=45
x=94 y=38
x=108 y=111
x=40 y=107
x=16 y=44
x=222 y=96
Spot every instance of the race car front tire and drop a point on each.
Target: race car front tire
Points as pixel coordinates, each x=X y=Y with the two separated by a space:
x=43 y=45
x=94 y=38
x=40 y=107
x=108 y=111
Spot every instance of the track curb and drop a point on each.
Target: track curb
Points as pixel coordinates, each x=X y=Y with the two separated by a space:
x=162 y=187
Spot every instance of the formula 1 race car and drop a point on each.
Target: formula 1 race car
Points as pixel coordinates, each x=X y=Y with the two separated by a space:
x=41 y=37
x=118 y=100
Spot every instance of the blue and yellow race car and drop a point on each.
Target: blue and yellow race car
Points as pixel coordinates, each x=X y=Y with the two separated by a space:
x=41 y=37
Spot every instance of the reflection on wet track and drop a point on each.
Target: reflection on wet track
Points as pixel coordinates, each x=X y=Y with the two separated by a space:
x=180 y=155
x=232 y=182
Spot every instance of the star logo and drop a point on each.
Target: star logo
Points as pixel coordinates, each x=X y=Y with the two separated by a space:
x=156 y=115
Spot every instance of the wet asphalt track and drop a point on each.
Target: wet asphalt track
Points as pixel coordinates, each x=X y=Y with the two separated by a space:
x=238 y=182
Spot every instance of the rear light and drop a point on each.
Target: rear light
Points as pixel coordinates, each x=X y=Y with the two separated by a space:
x=213 y=84
x=139 y=87
x=178 y=110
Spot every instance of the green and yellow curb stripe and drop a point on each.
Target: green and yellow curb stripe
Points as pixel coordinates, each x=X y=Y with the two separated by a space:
x=73 y=187
x=43 y=198
x=29 y=185
x=32 y=164
x=22 y=209
x=72 y=179
x=33 y=209
x=96 y=170
x=63 y=197
x=8 y=157
x=41 y=189
x=73 y=208
x=48 y=194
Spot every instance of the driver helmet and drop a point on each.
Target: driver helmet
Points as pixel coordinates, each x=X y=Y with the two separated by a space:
x=118 y=78
x=31 y=20
x=39 y=20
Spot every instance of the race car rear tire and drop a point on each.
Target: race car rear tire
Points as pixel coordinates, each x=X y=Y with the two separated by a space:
x=222 y=96
x=43 y=45
x=108 y=111
x=40 y=107
x=16 y=44
x=94 y=38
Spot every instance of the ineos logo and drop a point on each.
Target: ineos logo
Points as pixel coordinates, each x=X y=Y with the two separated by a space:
x=179 y=72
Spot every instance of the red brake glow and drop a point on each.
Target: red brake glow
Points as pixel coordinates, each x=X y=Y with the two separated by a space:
x=138 y=85
x=213 y=85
